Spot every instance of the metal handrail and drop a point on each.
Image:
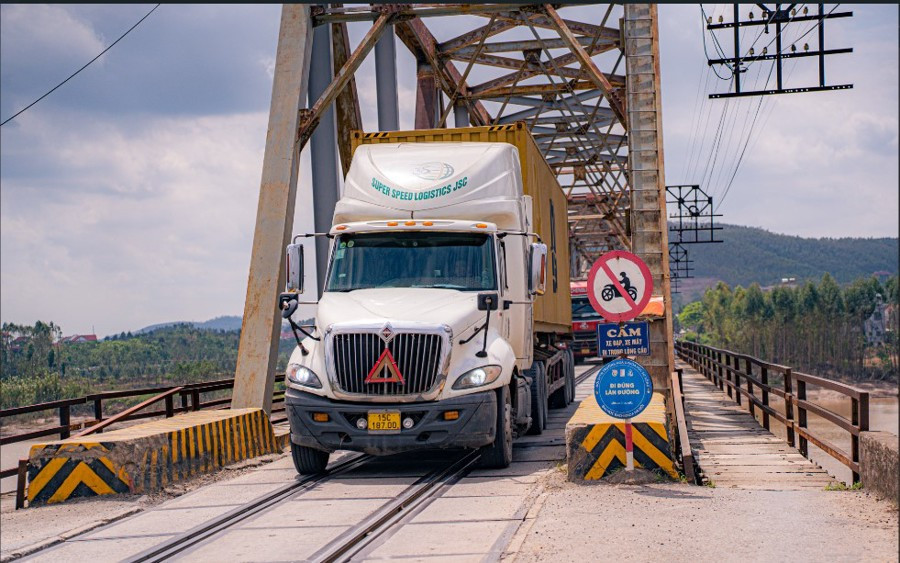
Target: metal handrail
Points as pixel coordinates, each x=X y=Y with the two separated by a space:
x=723 y=369
x=190 y=400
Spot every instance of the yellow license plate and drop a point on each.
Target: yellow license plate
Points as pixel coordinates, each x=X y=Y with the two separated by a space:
x=585 y=350
x=384 y=421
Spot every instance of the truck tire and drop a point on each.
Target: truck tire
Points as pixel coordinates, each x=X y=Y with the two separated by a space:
x=308 y=461
x=499 y=454
x=538 y=374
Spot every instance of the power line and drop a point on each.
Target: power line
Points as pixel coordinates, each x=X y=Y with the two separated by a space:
x=21 y=111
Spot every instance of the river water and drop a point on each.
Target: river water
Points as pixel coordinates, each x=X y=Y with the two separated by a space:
x=884 y=415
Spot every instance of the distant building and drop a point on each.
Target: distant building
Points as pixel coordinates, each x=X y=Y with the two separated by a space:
x=19 y=343
x=875 y=326
x=78 y=339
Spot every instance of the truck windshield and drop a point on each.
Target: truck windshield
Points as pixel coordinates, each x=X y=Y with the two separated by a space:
x=463 y=261
x=581 y=308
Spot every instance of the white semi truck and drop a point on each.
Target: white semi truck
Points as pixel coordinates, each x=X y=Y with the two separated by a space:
x=445 y=317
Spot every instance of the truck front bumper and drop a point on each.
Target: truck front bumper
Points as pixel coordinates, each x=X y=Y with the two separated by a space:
x=474 y=428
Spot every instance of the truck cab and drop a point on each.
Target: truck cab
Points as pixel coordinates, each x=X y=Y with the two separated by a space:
x=424 y=333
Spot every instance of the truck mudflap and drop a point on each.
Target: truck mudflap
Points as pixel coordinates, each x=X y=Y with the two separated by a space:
x=475 y=426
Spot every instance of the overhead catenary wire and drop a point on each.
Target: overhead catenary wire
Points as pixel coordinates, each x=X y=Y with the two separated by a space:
x=71 y=76
x=770 y=105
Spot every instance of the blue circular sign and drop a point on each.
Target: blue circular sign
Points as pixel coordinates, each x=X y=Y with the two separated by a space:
x=623 y=388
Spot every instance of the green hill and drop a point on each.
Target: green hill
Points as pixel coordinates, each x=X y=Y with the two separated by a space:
x=749 y=254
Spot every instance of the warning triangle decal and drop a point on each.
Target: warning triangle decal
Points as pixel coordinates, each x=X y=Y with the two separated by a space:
x=385 y=363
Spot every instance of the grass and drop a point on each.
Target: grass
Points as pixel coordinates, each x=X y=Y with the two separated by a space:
x=840 y=486
x=711 y=484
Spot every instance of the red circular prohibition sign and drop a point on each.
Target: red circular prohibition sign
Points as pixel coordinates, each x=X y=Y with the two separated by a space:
x=635 y=306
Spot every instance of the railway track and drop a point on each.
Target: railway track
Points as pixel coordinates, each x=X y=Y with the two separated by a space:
x=194 y=536
x=375 y=528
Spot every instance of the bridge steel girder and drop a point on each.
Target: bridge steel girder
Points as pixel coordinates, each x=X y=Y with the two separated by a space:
x=261 y=326
x=648 y=187
x=567 y=86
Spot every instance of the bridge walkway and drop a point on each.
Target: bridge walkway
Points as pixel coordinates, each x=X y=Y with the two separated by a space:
x=733 y=450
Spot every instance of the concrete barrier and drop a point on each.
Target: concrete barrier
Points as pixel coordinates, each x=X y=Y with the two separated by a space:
x=879 y=464
x=147 y=457
x=595 y=442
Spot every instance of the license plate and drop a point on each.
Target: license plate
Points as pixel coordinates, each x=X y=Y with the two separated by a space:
x=585 y=350
x=384 y=421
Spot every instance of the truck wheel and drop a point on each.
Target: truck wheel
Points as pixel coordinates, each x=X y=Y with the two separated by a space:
x=308 y=461
x=538 y=398
x=499 y=454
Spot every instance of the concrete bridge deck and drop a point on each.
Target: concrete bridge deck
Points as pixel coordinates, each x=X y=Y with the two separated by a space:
x=733 y=450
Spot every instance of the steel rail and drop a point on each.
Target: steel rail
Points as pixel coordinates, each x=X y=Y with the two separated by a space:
x=581 y=378
x=198 y=534
x=357 y=538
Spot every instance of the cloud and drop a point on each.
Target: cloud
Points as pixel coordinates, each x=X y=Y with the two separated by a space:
x=157 y=229
x=819 y=164
x=129 y=195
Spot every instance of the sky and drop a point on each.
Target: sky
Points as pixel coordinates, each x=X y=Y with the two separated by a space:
x=128 y=196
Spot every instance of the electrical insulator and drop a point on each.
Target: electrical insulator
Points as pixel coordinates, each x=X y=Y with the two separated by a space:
x=805 y=10
x=709 y=20
x=794 y=12
x=806 y=46
x=751 y=51
x=765 y=50
x=751 y=15
x=793 y=48
x=721 y=19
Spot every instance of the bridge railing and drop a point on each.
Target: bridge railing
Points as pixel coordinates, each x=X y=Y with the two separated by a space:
x=740 y=375
x=180 y=399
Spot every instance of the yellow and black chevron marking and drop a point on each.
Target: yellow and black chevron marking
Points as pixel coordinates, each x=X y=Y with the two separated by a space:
x=595 y=442
x=65 y=475
x=603 y=447
x=501 y=127
x=147 y=457
x=380 y=135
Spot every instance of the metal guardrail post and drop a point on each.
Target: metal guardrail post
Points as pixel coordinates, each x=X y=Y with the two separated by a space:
x=170 y=407
x=98 y=409
x=749 y=371
x=21 y=479
x=65 y=419
x=859 y=417
x=801 y=417
x=789 y=406
x=764 y=376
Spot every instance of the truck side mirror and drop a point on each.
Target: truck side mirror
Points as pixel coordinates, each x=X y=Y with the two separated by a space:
x=293 y=266
x=537 y=261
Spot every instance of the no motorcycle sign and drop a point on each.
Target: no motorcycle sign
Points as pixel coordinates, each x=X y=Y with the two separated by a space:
x=619 y=286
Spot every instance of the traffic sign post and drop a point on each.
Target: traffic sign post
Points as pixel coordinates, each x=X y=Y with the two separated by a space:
x=619 y=286
x=623 y=390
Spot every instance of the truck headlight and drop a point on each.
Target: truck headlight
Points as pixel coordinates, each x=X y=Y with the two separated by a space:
x=477 y=377
x=299 y=375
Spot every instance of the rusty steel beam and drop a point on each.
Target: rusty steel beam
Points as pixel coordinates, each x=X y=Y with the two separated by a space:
x=310 y=118
x=419 y=40
x=347 y=102
x=470 y=37
x=593 y=72
x=426 y=97
x=525 y=45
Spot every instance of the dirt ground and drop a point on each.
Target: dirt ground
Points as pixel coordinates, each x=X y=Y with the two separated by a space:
x=680 y=522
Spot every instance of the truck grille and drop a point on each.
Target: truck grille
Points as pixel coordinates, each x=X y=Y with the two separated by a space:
x=417 y=356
